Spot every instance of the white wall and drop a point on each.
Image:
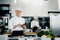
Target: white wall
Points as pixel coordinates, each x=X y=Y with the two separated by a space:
x=59 y=4
x=29 y=7
x=52 y=4
x=32 y=7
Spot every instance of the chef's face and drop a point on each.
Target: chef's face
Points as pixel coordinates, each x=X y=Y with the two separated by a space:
x=18 y=13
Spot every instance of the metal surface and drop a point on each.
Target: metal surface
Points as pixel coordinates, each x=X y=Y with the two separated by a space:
x=3 y=37
x=55 y=24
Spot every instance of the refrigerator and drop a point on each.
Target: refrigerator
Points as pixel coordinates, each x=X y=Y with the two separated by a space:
x=55 y=23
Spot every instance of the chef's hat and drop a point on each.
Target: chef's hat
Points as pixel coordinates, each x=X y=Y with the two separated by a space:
x=35 y=17
x=18 y=9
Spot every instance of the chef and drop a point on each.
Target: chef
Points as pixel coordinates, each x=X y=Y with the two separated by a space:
x=35 y=24
x=16 y=24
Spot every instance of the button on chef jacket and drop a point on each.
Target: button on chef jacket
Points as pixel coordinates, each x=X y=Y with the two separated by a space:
x=14 y=21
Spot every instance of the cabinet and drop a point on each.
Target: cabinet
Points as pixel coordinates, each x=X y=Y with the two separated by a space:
x=4 y=9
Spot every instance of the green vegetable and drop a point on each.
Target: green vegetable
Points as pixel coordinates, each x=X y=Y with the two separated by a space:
x=47 y=33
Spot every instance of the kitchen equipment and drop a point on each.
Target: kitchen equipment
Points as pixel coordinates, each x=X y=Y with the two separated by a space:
x=45 y=38
x=55 y=22
x=3 y=21
x=3 y=37
x=56 y=38
x=3 y=24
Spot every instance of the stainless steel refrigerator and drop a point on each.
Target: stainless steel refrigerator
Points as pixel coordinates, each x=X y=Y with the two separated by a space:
x=55 y=23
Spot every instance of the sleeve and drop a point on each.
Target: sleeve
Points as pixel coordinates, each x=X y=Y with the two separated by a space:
x=37 y=24
x=32 y=24
x=10 y=24
x=23 y=21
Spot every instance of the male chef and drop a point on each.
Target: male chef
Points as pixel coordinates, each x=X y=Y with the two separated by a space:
x=35 y=24
x=16 y=24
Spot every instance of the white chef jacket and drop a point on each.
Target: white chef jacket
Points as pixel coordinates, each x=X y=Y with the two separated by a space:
x=34 y=23
x=14 y=21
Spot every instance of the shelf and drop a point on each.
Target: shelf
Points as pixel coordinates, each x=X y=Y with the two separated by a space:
x=53 y=12
x=4 y=5
x=4 y=11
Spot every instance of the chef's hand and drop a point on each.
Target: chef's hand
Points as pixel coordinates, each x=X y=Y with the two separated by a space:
x=16 y=26
x=23 y=26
